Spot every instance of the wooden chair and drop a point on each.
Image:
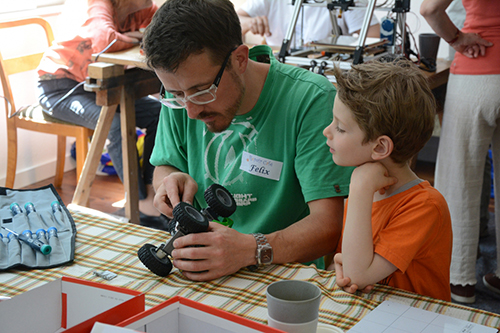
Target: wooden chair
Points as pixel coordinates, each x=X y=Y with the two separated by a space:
x=32 y=117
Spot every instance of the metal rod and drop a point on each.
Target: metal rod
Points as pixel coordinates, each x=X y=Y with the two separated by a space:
x=285 y=46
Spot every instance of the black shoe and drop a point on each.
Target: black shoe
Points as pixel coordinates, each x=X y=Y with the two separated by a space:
x=156 y=222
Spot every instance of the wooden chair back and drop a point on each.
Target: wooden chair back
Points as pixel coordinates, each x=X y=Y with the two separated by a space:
x=33 y=117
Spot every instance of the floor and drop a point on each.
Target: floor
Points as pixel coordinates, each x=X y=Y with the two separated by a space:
x=107 y=196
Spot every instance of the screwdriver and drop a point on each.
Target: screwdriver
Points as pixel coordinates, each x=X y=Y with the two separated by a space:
x=33 y=243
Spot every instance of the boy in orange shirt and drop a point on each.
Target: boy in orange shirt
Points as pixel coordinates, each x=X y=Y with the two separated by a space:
x=397 y=227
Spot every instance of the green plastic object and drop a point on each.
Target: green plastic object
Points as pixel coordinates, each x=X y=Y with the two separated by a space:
x=226 y=221
x=46 y=249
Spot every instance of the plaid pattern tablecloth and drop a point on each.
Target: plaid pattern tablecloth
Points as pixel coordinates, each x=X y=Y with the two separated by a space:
x=106 y=244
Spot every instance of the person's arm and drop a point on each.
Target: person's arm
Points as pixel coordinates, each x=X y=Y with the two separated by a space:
x=469 y=44
x=359 y=262
x=373 y=31
x=342 y=281
x=225 y=250
x=312 y=237
x=258 y=25
x=101 y=24
x=171 y=187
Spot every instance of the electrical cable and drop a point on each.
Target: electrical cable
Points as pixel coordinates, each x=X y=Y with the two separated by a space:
x=50 y=111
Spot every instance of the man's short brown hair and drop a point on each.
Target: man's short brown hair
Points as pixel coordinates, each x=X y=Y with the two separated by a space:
x=181 y=28
x=390 y=98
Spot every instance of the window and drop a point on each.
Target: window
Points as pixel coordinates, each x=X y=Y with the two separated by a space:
x=9 y=6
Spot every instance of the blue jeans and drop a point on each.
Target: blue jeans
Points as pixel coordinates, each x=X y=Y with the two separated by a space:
x=80 y=108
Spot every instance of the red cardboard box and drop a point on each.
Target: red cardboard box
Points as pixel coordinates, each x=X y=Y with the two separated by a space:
x=180 y=314
x=69 y=305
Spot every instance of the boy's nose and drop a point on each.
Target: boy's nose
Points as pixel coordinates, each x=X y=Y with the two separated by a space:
x=327 y=132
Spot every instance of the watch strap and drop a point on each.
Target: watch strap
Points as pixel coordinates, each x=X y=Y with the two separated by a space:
x=261 y=243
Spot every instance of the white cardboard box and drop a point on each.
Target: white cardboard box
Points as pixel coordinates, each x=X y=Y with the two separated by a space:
x=179 y=314
x=69 y=305
x=390 y=316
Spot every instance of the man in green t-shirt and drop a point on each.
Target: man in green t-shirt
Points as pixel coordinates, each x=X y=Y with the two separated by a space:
x=253 y=127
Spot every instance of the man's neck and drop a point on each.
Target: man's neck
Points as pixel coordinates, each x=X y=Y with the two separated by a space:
x=254 y=79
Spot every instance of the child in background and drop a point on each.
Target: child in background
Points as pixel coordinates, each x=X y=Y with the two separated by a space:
x=397 y=227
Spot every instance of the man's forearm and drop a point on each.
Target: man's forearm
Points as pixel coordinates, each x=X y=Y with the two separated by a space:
x=245 y=21
x=312 y=237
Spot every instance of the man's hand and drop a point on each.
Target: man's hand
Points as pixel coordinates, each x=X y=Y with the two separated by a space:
x=343 y=281
x=209 y=255
x=174 y=188
x=258 y=25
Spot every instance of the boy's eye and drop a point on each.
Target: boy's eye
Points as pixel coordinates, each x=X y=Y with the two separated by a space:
x=339 y=129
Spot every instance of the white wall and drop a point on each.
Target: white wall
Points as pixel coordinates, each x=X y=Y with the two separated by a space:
x=36 y=156
x=36 y=151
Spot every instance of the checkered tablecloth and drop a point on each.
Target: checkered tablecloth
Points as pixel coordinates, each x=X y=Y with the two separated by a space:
x=106 y=244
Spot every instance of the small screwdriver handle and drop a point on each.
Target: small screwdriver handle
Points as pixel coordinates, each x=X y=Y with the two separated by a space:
x=35 y=244
x=32 y=242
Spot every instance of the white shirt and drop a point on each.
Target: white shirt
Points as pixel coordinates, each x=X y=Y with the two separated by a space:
x=317 y=22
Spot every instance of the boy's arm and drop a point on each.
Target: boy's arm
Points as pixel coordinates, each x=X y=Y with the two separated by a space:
x=343 y=281
x=360 y=263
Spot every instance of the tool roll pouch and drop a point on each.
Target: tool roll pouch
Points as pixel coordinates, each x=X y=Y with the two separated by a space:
x=46 y=220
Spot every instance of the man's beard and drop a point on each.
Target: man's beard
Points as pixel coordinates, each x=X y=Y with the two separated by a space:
x=229 y=113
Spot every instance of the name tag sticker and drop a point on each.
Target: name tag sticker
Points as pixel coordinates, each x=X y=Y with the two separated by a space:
x=262 y=167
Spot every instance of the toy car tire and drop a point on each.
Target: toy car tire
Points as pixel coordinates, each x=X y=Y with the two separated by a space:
x=190 y=219
x=147 y=255
x=220 y=200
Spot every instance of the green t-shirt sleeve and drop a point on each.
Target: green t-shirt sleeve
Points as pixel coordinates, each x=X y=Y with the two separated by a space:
x=318 y=175
x=169 y=149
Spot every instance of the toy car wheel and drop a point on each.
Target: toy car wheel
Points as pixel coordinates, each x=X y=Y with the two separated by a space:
x=159 y=266
x=190 y=219
x=220 y=200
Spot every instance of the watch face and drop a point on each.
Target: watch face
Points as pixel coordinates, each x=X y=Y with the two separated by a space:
x=266 y=255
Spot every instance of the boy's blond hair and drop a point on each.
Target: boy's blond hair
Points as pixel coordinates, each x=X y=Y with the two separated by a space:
x=390 y=98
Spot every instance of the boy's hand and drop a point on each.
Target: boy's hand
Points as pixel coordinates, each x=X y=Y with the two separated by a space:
x=373 y=177
x=343 y=281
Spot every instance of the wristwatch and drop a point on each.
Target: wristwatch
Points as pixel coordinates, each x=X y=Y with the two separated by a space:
x=264 y=252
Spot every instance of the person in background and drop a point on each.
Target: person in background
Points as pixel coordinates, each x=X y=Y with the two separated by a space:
x=252 y=127
x=397 y=227
x=456 y=13
x=271 y=18
x=110 y=25
x=471 y=114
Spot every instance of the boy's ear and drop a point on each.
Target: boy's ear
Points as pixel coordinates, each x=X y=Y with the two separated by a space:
x=382 y=148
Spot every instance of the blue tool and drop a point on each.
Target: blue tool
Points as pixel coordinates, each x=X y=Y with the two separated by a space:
x=41 y=234
x=15 y=209
x=52 y=231
x=57 y=212
x=29 y=208
x=32 y=242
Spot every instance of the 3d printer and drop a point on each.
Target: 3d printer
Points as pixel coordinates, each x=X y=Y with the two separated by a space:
x=347 y=50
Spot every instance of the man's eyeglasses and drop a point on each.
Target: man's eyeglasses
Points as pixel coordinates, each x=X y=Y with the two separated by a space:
x=201 y=97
